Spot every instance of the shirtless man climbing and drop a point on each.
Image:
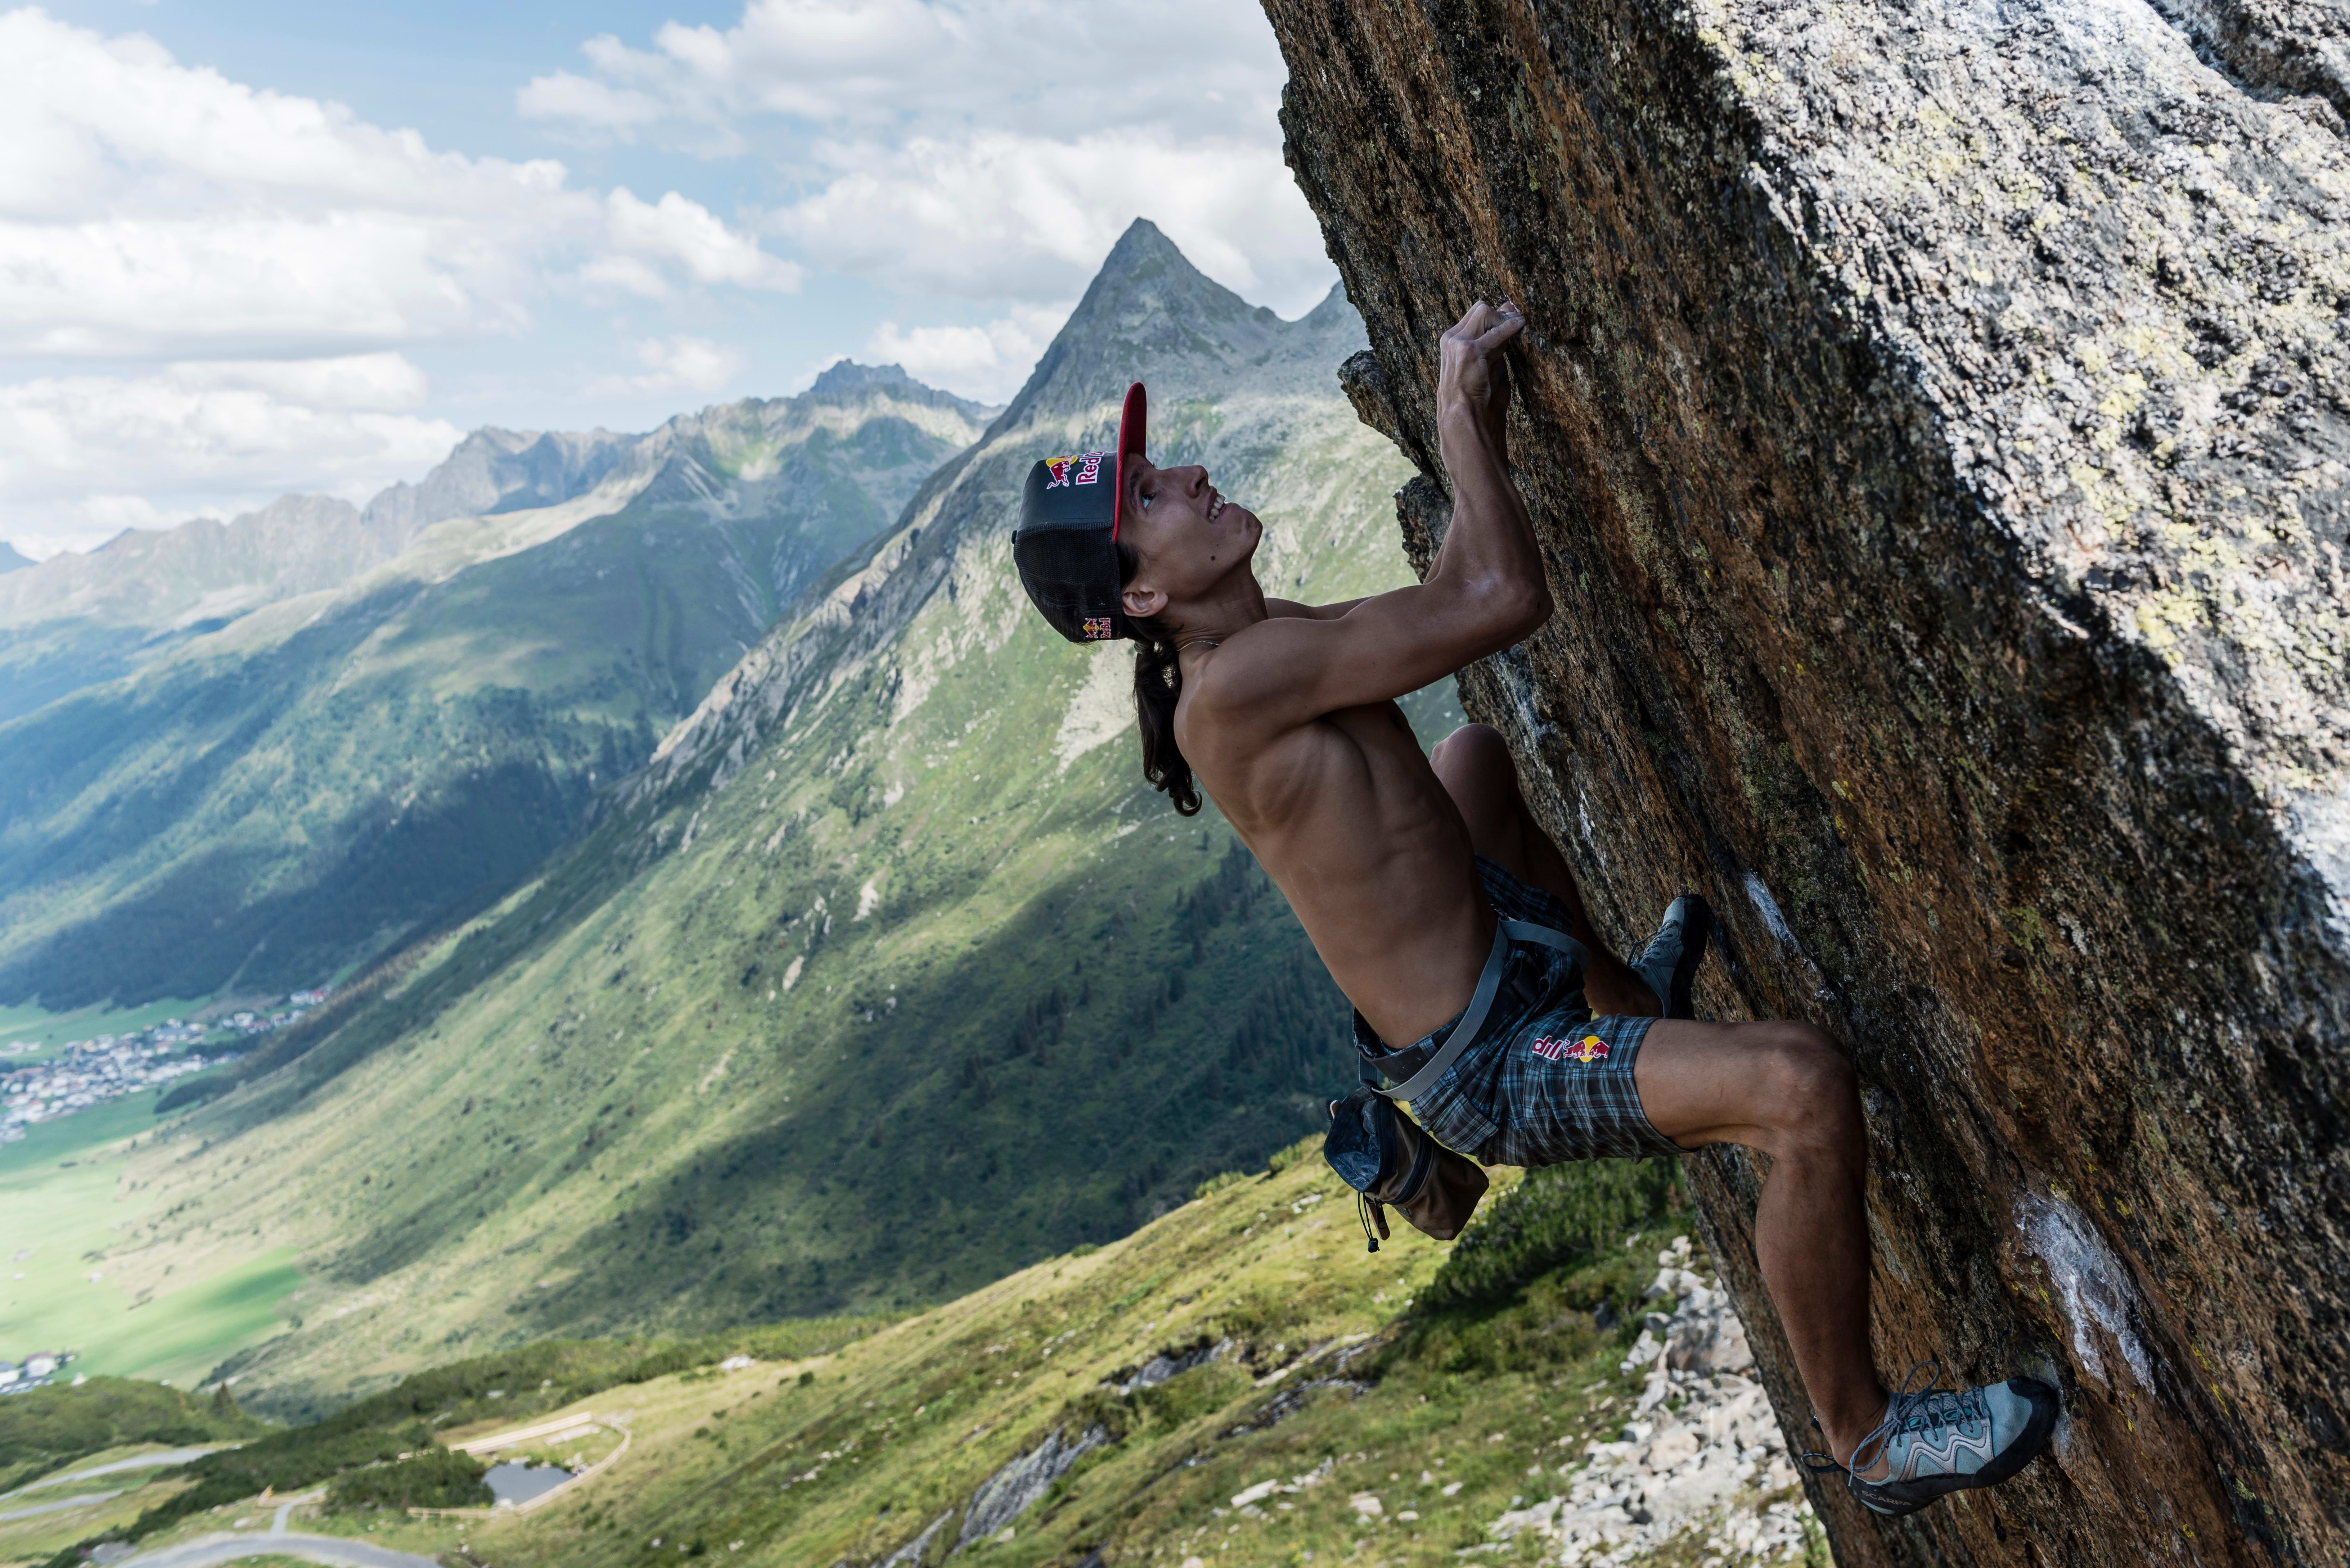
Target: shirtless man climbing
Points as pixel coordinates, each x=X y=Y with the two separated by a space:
x=1410 y=873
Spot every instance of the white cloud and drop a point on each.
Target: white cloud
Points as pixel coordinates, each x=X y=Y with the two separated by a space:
x=689 y=234
x=82 y=457
x=679 y=364
x=251 y=264
x=988 y=363
x=1042 y=66
x=986 y=150
x=375 y=381
x=997 y=216
x=151 y=208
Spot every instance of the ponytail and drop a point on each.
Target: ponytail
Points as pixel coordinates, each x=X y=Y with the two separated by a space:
x=1158 y=686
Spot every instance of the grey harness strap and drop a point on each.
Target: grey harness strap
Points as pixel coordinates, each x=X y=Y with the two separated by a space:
x=1472 y=1020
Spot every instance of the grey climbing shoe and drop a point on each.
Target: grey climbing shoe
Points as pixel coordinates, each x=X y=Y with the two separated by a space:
x=1942 y=1441
x=1667 y=961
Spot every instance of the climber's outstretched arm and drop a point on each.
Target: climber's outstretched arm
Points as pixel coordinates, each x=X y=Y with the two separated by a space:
x=1485 y=590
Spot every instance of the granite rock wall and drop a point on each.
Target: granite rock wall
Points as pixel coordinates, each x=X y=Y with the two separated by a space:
x=1935 y=419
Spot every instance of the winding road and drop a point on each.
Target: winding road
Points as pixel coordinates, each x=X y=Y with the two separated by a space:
x=335 y=1550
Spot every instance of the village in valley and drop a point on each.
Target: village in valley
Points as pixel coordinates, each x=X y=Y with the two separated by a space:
x=35 y=1371
x=86 y=1072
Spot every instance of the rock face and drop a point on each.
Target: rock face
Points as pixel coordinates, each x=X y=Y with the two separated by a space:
x=1935 y=420
x=1014 y=1490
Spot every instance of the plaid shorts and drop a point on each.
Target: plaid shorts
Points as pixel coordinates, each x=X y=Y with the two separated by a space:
x=1543 y=1081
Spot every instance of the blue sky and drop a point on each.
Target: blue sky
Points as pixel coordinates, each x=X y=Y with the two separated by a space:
x=249 y=248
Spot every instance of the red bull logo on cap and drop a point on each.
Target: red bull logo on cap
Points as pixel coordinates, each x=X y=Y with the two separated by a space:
x=1097 y=627
x=1083 y=468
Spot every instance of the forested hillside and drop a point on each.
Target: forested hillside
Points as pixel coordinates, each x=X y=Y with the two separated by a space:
x=336 y=726
x=889 y=975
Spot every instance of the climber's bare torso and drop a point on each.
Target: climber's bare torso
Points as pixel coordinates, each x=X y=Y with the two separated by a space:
x=1288 y=717
x=1347 y=817
x=1344 y=812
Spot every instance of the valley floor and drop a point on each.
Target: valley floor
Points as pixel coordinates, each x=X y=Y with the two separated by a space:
x=65 y=1208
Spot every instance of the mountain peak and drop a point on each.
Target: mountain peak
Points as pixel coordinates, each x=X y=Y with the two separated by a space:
x=1143 y=243
x=848 y=375
x=1150 y=315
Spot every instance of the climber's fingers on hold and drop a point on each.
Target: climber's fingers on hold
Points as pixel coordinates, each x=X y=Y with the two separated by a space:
x=1479 y=335
x=1463 y=333
x=1505 y=324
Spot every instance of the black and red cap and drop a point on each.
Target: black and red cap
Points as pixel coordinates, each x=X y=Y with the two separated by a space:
x=1066 y=545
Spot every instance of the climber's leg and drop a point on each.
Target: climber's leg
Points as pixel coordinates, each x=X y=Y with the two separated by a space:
x=1782 y=1089
x=1479 y=773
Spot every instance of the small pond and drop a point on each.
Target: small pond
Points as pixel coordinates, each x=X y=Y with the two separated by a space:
x=513 y=1482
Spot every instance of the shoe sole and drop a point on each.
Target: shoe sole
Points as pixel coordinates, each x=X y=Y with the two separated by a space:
x=2026 y=1448
x=1696 y=930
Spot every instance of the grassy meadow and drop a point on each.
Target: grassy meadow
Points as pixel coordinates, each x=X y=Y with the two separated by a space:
x=64 y=1204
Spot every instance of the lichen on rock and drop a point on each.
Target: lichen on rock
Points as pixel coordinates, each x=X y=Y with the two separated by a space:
x=1937 y=423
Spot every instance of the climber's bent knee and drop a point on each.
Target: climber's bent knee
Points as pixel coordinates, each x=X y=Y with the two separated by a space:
x=1776 y=1086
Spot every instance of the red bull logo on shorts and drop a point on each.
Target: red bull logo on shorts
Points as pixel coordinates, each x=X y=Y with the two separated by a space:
x=1587 y=1050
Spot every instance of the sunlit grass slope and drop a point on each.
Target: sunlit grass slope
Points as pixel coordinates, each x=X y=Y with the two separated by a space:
x=1243 y=1384
x=62 y=1205
x=1322 y=1382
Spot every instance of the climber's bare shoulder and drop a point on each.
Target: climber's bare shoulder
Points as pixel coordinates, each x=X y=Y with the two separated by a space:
x=1267 y=738
x=1340 y=806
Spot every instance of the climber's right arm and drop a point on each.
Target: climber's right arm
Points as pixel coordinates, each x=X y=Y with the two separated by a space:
x=1485 y=590
x=1490 y=535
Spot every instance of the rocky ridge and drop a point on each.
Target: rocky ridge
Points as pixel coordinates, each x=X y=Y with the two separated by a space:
x=1935 y=420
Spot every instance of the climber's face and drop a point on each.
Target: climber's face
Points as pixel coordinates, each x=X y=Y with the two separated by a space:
x=1186 y=537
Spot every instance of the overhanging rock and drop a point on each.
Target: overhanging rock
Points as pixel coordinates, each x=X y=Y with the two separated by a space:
x=1935 y=420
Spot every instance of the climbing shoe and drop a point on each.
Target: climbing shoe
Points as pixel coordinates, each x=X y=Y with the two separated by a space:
x=1940 y=1440
x=1669 y=959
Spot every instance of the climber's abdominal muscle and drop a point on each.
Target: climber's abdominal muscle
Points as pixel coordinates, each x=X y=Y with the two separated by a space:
x=1351 y=823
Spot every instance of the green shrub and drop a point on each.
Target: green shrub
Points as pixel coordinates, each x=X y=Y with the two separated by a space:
x=1558 y=1215
x=48 y=1428
x=436 y=1478
x=1219 y=1181
x=1189 y=1395
x=1307 y=1148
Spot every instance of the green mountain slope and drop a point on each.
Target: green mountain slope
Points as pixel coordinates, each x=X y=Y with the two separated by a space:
x=887 y=976
x=1238 y=1382
x=266 y=802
